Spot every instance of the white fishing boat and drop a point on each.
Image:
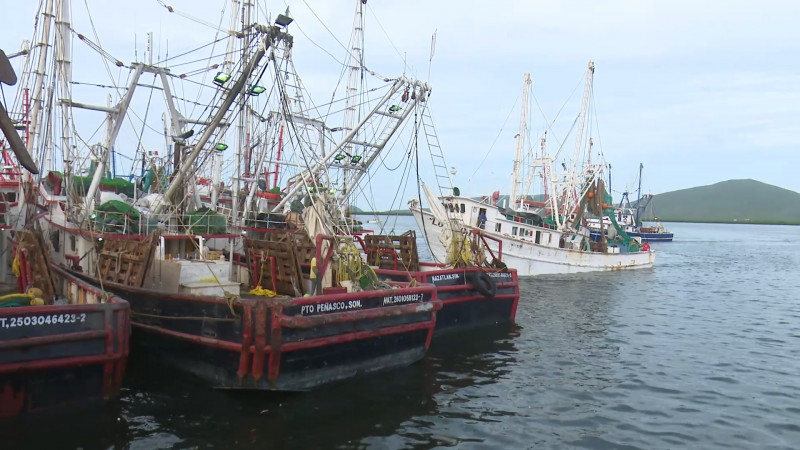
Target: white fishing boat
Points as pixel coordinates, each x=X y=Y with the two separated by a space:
x=537 y=237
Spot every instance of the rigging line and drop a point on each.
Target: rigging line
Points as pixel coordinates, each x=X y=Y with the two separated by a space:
x=334 y=37
x=158 y=88
x=78 y=135
x=208 y=59
x=144 y=122
x=404 y=176
x=561 y=147
x=303 y=89
x=323 y=25
x=192 y=18
x=595 y=117
x=491 y=147
x=213 y=48
x=419 y=190
x=333 y=102
x=3 y=92
x=97 y=38
x=158 y=63
x=380 y=25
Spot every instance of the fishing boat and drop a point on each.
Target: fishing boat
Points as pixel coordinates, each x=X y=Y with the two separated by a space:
x=63 y=342
x=472 y=294
x=629 y=217
x=209 y=295
x=538 y=235
x=475 y=290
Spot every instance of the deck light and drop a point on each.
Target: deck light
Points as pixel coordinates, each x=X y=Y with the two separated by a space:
x=354 y=160
x=338 y=158
x=221 y=78
x=256 y=89
x=394 y=108
x=221 y=147
x=284 y=19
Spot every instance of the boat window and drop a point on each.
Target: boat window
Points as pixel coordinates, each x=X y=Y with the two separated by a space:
x=538 y=236
x=497 y=227
x=463 y=208
x=73 y=243
x=514 y=231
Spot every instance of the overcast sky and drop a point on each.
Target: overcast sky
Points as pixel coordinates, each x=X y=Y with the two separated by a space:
x=697 y=91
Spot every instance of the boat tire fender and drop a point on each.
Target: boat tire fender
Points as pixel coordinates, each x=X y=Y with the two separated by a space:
x=484 y=284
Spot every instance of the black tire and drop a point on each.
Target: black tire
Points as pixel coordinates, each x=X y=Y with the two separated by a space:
x=484 y=284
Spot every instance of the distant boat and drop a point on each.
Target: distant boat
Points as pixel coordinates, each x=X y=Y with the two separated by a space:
x=374 y=221
x=629 y=218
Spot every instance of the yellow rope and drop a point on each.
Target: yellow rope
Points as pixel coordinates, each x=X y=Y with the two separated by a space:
x=258 y=290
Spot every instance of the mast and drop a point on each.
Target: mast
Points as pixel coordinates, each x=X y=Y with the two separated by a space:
x=272 y=34
x=243 y=127
x=43 y=44
x=576 y=158
x=115 y=119
x=356 y=59
x=63 y=49
x=227 y=67
x=582 y=117
x=639 y=194
x=523 y=125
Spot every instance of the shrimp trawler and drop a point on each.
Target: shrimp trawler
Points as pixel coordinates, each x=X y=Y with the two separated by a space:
x=235 y=310
x=538 y=237
x=475 y=290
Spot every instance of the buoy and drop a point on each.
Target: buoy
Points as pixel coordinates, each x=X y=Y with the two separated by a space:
x=591 y=194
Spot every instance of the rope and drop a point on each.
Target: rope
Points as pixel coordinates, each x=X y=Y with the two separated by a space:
x=258 y=290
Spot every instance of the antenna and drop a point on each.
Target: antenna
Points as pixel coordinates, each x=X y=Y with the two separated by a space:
x=433 y=51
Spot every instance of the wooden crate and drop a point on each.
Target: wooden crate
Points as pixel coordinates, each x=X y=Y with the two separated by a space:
x=393 y=252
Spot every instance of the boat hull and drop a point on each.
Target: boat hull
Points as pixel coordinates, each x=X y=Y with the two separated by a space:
x=463 y=304
x=531 y=259
x=57 y=356
x=283 y=344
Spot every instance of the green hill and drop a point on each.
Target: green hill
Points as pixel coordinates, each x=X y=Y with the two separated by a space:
x=748 y=201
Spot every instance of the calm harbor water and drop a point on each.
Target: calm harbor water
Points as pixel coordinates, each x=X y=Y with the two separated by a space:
x=702 y=351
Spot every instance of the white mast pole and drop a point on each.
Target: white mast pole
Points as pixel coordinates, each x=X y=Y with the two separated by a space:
x=523 y=125
x=36 y=108
x=243 y=130
x=63 y=50
x=356 y=59
x=227 y=67
x=576 y=158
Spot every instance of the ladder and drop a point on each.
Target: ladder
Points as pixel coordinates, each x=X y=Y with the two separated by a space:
x=443 y=180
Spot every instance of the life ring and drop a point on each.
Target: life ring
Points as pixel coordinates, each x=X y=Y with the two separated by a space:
x=484 y=283
x=645 y=247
